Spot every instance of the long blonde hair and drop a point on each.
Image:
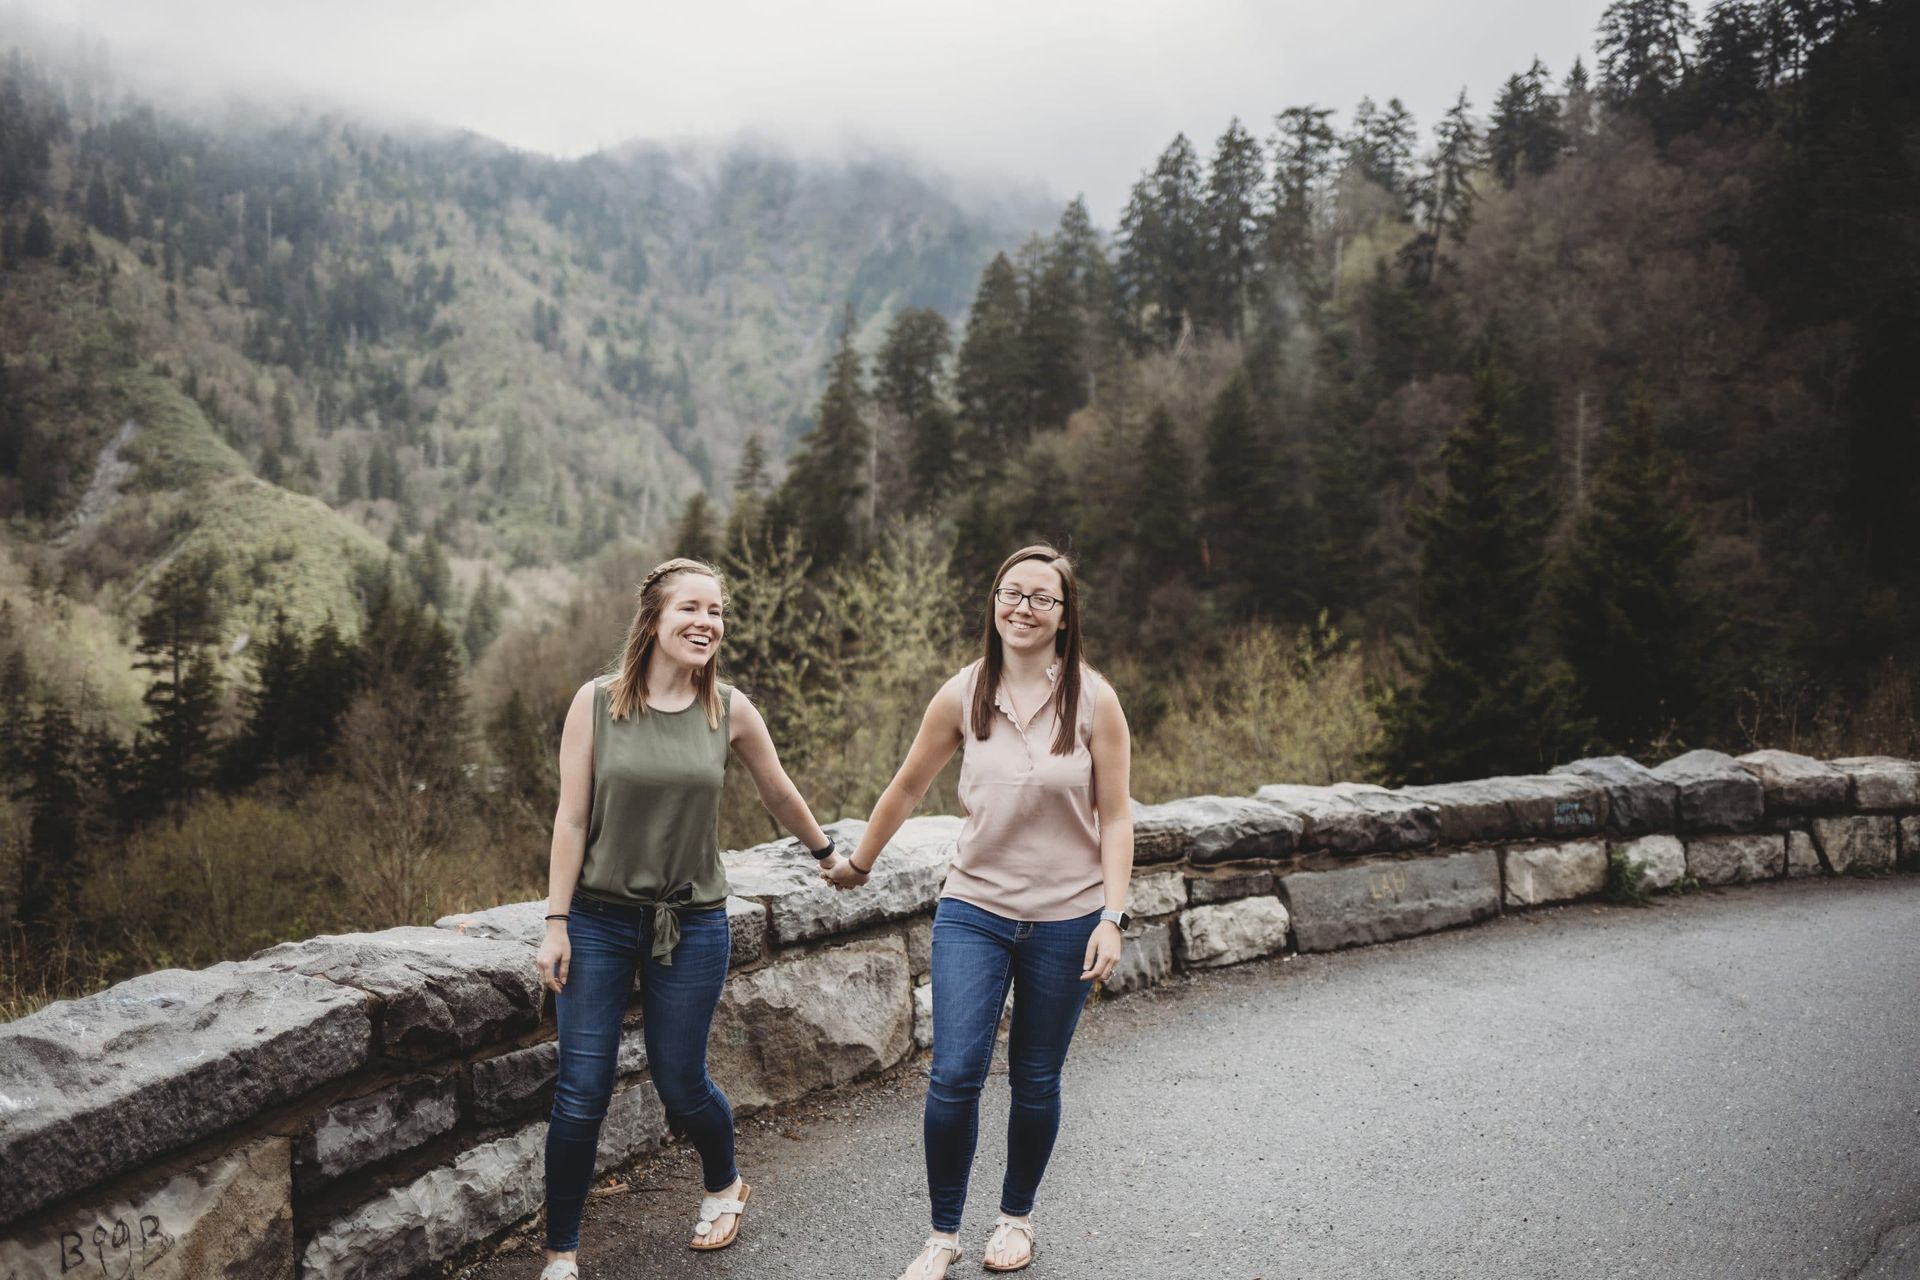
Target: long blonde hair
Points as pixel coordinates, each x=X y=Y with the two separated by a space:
x=627 y=695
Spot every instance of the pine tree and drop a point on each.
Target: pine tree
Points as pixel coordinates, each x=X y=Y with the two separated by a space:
x=907 y=387
x=1730 y=78
x=1162 y=505
x=1576 y=106
x=266 y=740
x=829 y=478
x=1476 y=703
x=50 y=870
x=1237 y=504
x=1525 y=135
x=38 y=241
x=1628 y=627
x=1642 y=48
x=175 y=752
x=329 y=678
x=1302 y=150
x=749 y=496
x=694 y=536
x=1231 y=230
x=1444 y=193
x=484 y=612
x=1162 y=243
x=1053 y=345
x=989 y=380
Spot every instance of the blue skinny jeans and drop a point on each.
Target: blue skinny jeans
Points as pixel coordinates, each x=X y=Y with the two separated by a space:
x=610 y=943
x=977 y=957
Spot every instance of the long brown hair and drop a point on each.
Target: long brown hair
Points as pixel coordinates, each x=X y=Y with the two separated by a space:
x=1066 y=648
x=627 y=695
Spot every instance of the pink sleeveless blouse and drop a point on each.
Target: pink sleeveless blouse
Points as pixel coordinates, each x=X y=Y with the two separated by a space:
x=1030 y=845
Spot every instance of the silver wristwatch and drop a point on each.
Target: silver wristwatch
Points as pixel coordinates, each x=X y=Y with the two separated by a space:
x=1119 y=919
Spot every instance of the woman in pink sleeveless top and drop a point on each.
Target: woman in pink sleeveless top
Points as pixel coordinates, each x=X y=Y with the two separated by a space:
x=1035 y=903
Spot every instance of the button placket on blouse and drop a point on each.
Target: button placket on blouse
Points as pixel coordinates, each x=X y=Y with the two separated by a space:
x=1025 y=731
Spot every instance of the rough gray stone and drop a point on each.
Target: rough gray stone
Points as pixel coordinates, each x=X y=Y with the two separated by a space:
x=747 y=923
x=511 y=1084
x=1145 y=961
x=1537 y=874
x=1380 y=901
x=1910 y=844
x=1797 y=784
x=1351 y=818
x=1716 y=794
x=1882 y=782
x=1225 y=883
x=1232 y=932
x=633 y=1046
x=407 y=1229
x=521 y=922
x=91 y=1088
x=802 y=907
x=635 y=1126
x=812 y=1022
x=438 y=991
x=361 y=1131
x=919 y=939
x=1203 y=829
x=1803 y=856
x=1862 y=842
x=1639 y=801
x=526 y=924
x=1734 y=859
x=230 y=1216
x=1664 y=856
x=1542 y=806
x=923 y=1016
x=1156 y=893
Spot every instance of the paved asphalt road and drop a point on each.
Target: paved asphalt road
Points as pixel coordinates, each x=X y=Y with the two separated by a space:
x=1725 y=1085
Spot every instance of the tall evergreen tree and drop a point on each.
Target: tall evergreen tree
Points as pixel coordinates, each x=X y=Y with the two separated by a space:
x=1054 y=345
x=1162 y=244
x=749 y=497
x=1162 y=505
x=1444 y=193
x=908 y=374
x=1302 y=149
x=1628 y=627
x=1231 y=230
x=1642 y=48
x=829 y=479
x=1525 y=135
x=267 y=738
x=1238 y=499
x=694 y=535
x=175 y=753
x=1475 y=704
x=989 y=380
x=50 y=870
x=1730 y=79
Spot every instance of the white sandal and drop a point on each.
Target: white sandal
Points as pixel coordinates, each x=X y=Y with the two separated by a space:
x=561 y=1269
x=933 y=1248
x=1003 y=1226
x=711 y=1207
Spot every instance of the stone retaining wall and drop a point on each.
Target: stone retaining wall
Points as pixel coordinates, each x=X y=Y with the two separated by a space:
x=373 y=1105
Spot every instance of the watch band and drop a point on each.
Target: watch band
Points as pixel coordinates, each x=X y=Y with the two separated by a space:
x=1118 y=919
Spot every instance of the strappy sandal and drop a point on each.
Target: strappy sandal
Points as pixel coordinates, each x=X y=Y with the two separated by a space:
x=561 y=1269
x=1003 y=1226
x=933 y=1248
x=711 y=1207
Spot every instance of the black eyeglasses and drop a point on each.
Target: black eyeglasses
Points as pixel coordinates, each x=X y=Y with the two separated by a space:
x=1039 y=601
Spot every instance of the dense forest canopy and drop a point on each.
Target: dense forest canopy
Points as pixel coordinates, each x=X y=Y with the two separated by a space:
x=1580 y=419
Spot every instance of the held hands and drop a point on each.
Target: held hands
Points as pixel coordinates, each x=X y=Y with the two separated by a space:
x=1103 y=952
x=842 y=874
x=556 y=953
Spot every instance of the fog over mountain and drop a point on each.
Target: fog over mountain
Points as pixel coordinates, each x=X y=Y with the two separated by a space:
x=1071 y=94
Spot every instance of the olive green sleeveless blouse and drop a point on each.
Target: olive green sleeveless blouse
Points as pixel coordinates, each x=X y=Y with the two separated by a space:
x=653 y=836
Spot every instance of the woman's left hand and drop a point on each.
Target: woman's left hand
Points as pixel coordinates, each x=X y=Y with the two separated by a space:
x=1103 y=952
x=842 y=874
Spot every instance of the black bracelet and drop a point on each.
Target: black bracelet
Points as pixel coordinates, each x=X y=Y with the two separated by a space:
x=560 y=917
x=821 y=855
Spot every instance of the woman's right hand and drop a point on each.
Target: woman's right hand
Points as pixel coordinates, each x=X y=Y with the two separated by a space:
x=556 y=952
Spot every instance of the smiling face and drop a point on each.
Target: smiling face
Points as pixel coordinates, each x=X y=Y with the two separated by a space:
x=1023 y=628
x=690 y=625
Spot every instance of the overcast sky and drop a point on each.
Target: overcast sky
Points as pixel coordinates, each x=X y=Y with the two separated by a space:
x=1078 y=95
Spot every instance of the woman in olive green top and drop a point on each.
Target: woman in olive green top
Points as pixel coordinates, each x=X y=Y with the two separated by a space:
x=636 y=884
